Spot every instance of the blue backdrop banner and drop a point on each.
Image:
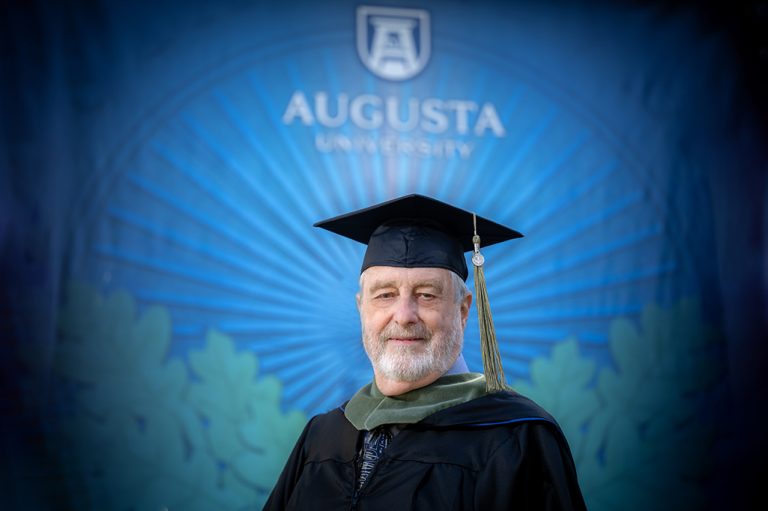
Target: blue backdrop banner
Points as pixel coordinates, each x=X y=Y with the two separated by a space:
x=172 y=319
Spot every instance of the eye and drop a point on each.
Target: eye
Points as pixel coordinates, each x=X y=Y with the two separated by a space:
x=427 y=296
x=384 y=295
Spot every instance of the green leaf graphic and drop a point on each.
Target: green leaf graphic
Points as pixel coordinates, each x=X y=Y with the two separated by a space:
x=561 y=385
x=248 y=434
x=143 y=435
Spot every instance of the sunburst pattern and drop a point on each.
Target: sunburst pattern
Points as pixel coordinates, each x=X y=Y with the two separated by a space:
x=211 y=214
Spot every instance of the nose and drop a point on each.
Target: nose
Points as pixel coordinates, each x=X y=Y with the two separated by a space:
x=406 y=311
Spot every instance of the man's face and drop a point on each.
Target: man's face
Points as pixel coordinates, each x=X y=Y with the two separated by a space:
x=413 y=328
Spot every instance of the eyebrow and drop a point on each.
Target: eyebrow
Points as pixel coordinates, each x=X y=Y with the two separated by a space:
x=437 y=285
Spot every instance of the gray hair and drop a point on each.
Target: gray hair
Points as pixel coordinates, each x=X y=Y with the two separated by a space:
x=460 y=289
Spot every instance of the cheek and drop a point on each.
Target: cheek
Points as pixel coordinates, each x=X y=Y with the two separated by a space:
x=373 y=320
x=436 y=322
x=445 y=319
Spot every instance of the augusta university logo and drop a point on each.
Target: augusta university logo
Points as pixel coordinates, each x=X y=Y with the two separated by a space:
x=393 y=43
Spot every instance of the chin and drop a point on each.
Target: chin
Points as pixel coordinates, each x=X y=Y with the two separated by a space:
x=410 y=372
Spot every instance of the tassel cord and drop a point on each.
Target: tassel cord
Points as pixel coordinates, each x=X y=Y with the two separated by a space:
x=495 y=380
x=494 y=372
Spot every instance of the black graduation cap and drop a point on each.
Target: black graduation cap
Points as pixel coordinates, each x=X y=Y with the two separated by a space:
x=416 y=231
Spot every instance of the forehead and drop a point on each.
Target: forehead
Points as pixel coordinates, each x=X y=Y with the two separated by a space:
x=379 y=275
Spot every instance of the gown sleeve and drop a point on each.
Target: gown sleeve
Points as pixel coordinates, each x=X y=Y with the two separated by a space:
x=532 y=470
x=290 y=475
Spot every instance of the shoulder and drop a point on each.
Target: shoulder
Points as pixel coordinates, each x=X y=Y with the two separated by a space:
x=503 y=422
x=329 y=436
x=496 y=409
x=504 y=419
x=331 y=421
x=531 y=459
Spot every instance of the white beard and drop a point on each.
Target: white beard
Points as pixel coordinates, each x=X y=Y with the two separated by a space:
x=412 y=363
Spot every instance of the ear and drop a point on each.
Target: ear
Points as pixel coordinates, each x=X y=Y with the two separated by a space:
x=464 y=306
x=357 y=300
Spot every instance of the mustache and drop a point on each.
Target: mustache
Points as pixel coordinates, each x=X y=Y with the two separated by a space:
x=394 y=330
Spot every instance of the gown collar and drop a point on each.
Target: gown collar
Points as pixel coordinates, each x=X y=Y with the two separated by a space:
x=369 y=408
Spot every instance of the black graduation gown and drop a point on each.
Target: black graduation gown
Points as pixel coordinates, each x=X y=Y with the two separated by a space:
x=500 y=451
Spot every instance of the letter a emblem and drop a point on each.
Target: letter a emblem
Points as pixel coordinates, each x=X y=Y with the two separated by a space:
x=393 y=43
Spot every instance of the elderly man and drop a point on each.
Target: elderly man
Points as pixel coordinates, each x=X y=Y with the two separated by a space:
x=426 y=433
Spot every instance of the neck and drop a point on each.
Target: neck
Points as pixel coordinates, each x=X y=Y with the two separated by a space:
x=390 y=387
x=458 y=367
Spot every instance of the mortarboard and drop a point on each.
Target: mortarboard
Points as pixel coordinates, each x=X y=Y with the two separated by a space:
x=416 y=231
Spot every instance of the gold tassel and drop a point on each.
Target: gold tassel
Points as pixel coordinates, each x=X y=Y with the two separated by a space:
x=494 y=372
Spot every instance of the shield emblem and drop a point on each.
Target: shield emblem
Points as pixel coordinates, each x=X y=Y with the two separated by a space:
x=393 y=43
